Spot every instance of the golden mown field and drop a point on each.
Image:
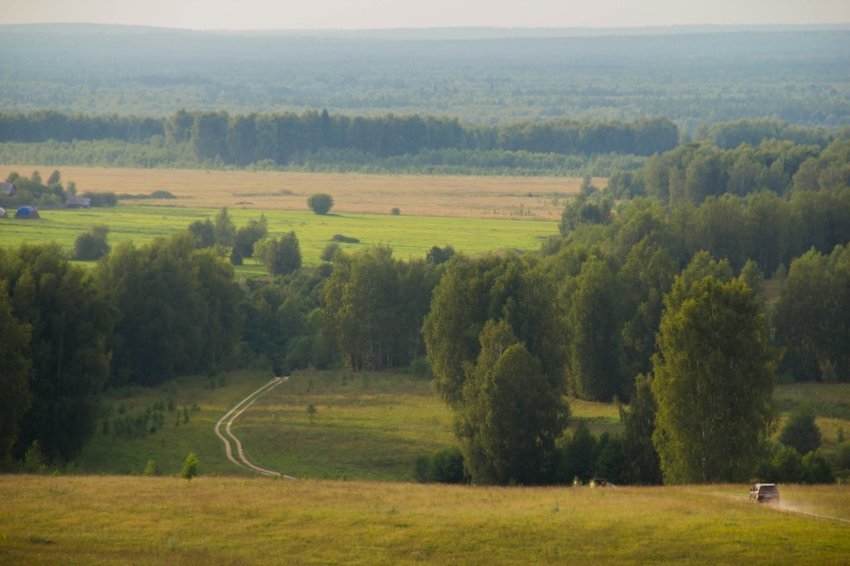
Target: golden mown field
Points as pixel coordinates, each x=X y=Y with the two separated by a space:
x=533 y=198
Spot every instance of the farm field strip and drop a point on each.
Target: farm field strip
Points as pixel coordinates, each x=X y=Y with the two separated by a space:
x=409 y=236
x=524 y=198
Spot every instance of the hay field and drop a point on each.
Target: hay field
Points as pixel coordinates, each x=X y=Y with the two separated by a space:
x=165 y=520
x=533 y=198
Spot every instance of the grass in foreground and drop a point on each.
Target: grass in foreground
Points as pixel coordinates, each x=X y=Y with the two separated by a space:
x=230 y=520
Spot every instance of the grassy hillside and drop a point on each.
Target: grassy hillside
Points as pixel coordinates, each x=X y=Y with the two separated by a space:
x=235 y=520
x=365 y=426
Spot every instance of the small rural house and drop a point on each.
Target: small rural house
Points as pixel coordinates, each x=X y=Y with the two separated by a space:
x=78 y=202
x=8 y=189
x=27 y=212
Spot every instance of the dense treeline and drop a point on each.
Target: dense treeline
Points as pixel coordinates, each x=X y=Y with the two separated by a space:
x=281 y=138
x=616 y=307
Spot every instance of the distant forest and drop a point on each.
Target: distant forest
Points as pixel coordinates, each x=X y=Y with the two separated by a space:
x=797 y=75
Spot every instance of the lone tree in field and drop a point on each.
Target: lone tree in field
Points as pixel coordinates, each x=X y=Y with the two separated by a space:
x=713 y=379
x=320 y=203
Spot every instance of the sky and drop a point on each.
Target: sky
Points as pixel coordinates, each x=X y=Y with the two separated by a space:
x=382 y=14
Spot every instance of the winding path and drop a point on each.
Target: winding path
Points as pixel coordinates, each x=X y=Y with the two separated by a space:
x=227 y=436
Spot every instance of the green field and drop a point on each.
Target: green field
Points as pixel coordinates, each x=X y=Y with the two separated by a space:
x=408 y=236
x=369 y=426
x=138 y=520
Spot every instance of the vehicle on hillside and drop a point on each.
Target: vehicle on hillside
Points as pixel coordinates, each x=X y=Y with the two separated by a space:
x=764 y=493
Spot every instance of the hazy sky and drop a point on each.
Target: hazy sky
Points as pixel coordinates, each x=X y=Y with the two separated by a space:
x=368 y=14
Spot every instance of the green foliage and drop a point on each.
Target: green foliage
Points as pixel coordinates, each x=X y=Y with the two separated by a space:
x=713 y=379
x=817 y=468
x=445 y=466
x=203 y=233
x=375 y=306
x=642 y=465
x=577 y=455
x=330 y=251
x=225 y=230
x=472 y=292
x=92 y=245
x=70 y=325
x=246 y=236
x=34 y=461
x=593 y=319
x=320 y=203
x=190 y=467
x=280 y=255
x=511 y=414
x=812 y=314
x=14 y=378
x=800 y=432
x=151 y=469
x=343 y=239
x=177 y=310
x=587 y=208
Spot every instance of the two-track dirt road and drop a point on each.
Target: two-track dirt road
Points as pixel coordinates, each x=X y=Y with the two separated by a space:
x=230 y=440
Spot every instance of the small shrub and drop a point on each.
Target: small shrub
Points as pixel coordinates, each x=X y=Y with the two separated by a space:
x=92 y=245
x=151 y=469
x=190 y=467
x=344 y=239
x=161 y=194
x=34 y=459
x=801 y=433
x=330 y=251
x=816 y=469
x=395 y=211
x=446 y=466
x=320 y=203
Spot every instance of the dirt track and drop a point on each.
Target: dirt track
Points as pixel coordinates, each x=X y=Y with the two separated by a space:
x=227 y=437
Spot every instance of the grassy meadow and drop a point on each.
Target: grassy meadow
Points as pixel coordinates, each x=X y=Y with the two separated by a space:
x=363 y=426
x=50 y=520
x=409 y=236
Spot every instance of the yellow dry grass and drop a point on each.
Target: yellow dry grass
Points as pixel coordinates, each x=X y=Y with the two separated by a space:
x=137 y=520
x=533 y=198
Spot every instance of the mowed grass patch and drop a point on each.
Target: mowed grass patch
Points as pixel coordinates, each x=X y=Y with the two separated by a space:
x=526 y=198
x=125 y=520
x=346 y=425
x=409 y=236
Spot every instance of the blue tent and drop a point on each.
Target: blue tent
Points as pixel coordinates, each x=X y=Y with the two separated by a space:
x=26 y=212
